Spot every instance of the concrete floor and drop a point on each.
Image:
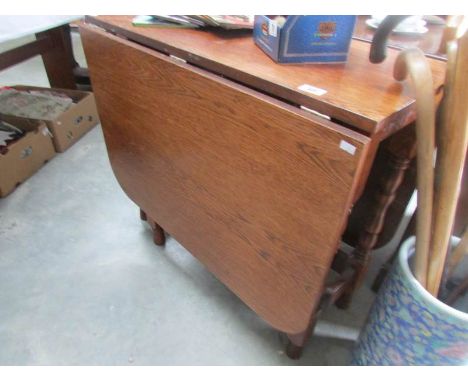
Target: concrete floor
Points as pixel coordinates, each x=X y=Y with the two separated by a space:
x=81 y=282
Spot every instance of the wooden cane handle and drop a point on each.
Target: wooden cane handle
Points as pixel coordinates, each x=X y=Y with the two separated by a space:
x=412 y=62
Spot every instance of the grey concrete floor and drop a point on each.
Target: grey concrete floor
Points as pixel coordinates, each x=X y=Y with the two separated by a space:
x=81 y=282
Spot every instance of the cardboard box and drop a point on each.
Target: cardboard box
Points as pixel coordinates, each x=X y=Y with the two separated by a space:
x=305 y=39
x=25 y=156
x=73 y=123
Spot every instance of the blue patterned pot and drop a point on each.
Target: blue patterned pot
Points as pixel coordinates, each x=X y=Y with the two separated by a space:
x=408 y=326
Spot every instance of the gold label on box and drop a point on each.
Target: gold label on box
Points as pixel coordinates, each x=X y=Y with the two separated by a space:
x=326 y=30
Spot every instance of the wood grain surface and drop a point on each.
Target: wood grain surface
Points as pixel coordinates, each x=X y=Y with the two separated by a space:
x=359 y=93
x=412 y=63
x=59 y=61
x=452 y=148
x=258 y=190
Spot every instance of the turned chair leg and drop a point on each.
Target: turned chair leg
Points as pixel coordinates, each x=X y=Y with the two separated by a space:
x=386 y=193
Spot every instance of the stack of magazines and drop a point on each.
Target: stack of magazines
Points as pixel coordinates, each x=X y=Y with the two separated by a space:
x=196 y=21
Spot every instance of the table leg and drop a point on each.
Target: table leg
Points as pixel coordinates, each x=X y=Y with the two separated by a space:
x=387 y=266
x=143 y=215
x=330 y=294
x=296 y=342
x=59 y=62
x=159 y=236
x=294 y=351
x=400 y=153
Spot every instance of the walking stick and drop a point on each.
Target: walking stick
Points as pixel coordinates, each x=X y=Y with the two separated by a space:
x=412 y=62
x=450 y=158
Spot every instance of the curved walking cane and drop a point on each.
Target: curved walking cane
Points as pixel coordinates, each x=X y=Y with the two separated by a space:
x=412 y=62
x=450 y=157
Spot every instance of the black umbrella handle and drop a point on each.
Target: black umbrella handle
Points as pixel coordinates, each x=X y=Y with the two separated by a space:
x=378 y=51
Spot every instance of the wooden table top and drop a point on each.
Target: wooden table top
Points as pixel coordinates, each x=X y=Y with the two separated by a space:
x=358 y=93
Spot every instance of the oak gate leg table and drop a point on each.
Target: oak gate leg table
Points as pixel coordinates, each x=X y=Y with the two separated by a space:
x=224 y=150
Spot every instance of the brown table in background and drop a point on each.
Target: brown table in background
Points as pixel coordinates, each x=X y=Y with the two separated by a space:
x=206 y=134
x=55 y=47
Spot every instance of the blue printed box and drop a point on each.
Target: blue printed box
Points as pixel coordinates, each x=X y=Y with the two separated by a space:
x=303 y=39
